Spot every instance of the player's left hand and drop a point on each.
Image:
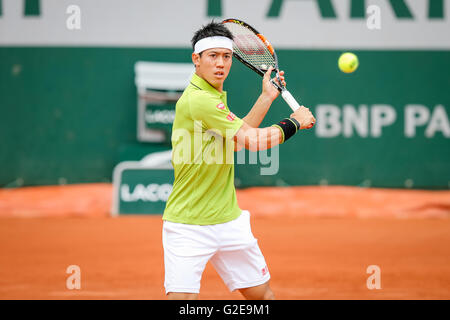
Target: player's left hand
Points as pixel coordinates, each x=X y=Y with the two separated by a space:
x=268 y=88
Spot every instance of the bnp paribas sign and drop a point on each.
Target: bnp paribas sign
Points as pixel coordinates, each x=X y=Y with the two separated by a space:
x=321 y=24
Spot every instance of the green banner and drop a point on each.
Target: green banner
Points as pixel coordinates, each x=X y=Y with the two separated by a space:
x=68 y=115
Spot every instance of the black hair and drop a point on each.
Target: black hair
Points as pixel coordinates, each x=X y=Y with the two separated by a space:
x=210 y=30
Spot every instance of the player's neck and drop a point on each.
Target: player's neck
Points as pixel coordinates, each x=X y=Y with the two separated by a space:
x=217 y=86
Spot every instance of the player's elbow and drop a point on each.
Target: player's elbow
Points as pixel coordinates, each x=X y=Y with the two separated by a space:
x=248 y=138
x=238 y=147
x=250 y=142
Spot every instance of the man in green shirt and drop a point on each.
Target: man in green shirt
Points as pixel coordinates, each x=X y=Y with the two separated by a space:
x=202 y=219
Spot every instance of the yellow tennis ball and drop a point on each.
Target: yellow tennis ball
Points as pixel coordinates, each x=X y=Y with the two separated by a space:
x=348 y=62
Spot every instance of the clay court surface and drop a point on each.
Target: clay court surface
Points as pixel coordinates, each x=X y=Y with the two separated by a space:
x=318 y=246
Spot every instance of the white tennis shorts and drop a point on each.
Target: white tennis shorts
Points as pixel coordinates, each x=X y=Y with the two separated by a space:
x=231 y=248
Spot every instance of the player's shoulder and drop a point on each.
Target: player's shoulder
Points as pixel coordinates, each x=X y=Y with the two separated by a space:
x=199 y=95
x=202 y=100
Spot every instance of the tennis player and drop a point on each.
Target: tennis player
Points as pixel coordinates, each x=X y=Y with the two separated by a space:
x=202 y=219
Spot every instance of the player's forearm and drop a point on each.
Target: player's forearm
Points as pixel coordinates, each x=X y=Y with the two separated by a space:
x=256 y=139
x=258 y=111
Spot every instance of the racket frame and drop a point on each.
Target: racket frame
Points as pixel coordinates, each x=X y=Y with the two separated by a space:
x=285 y=94
x=269 y=47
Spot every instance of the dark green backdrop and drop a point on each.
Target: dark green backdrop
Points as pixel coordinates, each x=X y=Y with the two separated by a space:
x=68 y=115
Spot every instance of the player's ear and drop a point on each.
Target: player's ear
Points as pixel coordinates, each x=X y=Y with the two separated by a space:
x=195 y=59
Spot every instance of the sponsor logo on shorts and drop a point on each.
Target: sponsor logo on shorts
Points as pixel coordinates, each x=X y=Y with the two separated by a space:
x=220 y=106
x=231 y=116
x=264 y=270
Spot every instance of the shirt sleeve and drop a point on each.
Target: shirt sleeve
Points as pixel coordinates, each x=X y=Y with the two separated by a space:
x=214 y=114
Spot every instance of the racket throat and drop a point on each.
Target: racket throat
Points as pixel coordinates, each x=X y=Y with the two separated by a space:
x=290 y=100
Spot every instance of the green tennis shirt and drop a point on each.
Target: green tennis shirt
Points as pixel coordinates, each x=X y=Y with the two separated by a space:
x=203 y=157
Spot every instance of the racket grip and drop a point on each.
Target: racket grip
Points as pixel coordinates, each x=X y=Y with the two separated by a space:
x=290 y=100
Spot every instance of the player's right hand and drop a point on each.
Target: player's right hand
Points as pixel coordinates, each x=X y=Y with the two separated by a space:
x=268 y=88
x=304 y=117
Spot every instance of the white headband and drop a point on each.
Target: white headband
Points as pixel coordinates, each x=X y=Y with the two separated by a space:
x=213 y=42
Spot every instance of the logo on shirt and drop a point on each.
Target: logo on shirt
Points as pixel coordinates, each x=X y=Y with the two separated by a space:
x=264 y=270
x=220 y=106
x=231 y=116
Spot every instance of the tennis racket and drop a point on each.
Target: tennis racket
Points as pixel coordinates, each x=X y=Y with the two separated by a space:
x=255 y=51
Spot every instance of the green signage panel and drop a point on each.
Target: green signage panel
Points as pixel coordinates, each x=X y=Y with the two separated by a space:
x=142 y=190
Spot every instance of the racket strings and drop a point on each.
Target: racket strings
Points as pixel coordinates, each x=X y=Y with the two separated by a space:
x=250 y=47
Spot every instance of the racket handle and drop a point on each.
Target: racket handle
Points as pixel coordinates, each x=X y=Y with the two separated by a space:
x=290 y=100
